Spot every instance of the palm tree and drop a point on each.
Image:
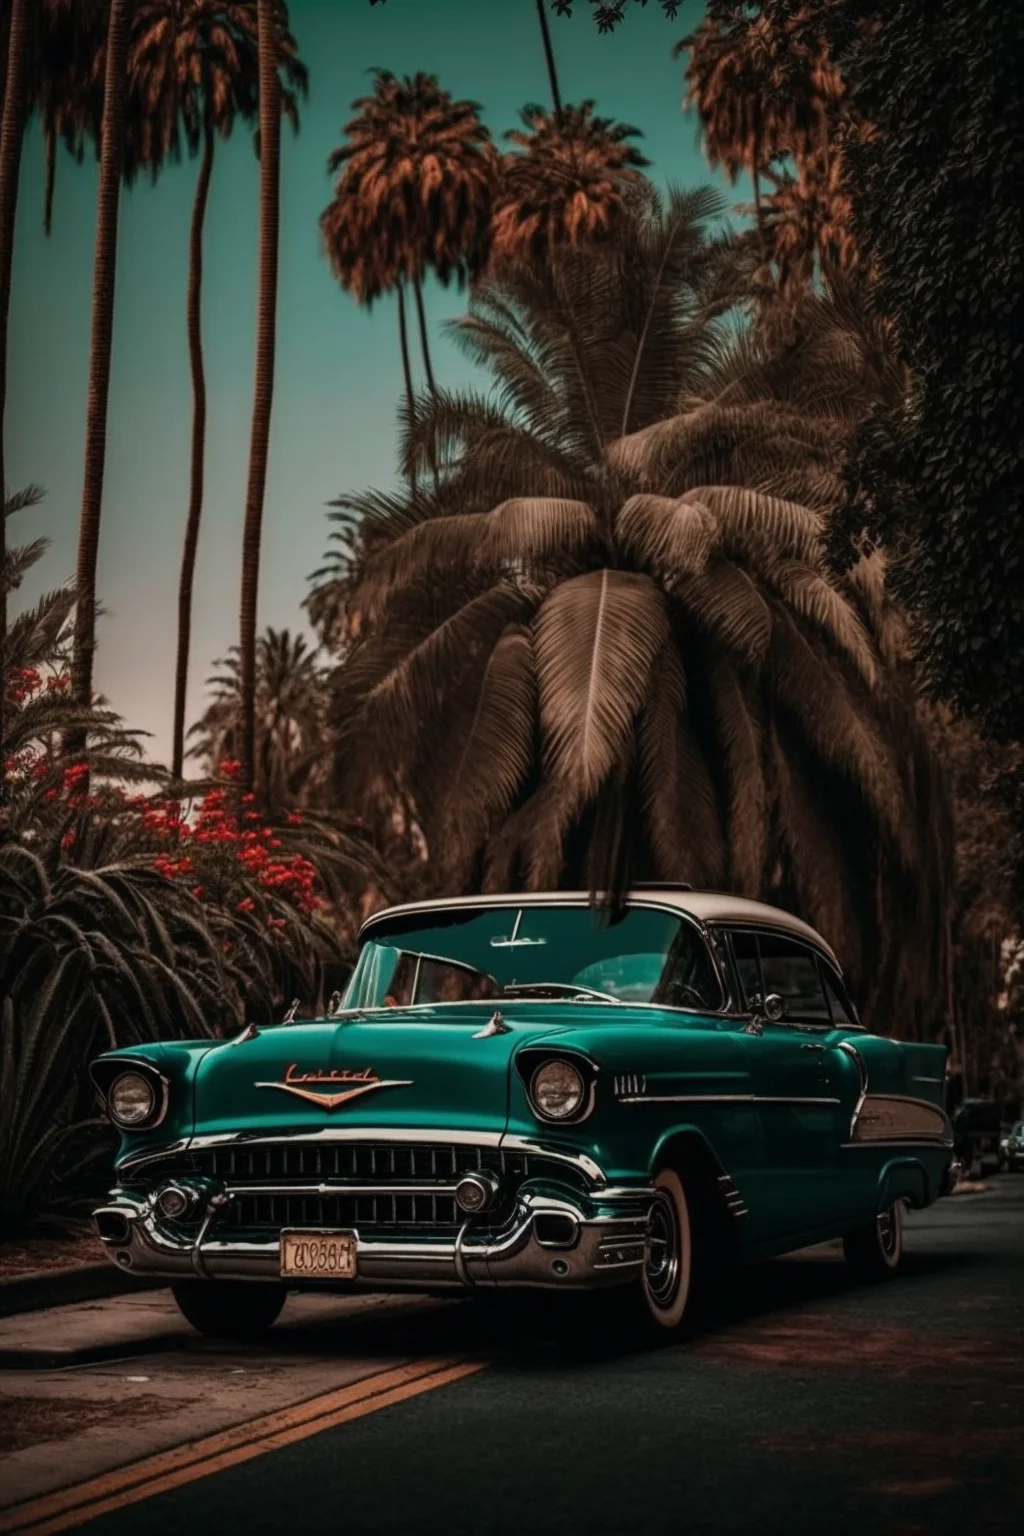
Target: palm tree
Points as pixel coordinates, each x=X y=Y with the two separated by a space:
x=570 y=183
x=766 y=88
x=193 y=67
x=272 y=19
x=599 y=656
x=413 y=194
x=11 y=132
x=67 y=85
x=104 y=270
x=291 y=720
x=549 y=57
x=732 y=81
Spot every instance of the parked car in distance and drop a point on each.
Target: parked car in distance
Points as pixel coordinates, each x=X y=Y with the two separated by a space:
x=1013 y=1150
x=527 y=1091
x=976 y=1128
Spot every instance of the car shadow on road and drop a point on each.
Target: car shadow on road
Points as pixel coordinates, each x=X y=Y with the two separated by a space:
x=544 y=1327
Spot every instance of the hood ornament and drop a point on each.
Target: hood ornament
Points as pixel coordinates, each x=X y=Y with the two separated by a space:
x=350 y=1085
x=495 y=1026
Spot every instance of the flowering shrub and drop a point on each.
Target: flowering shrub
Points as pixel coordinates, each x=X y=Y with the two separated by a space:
x=219 y=847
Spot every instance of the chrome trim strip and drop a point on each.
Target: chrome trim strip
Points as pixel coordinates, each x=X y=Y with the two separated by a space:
x=427 y=1135
x=720 y=1098
x=140 y=1159
x=580 y=1160
x=922 y=1140
x=499 y=1140
x=369 y=1190
x=862 y=1077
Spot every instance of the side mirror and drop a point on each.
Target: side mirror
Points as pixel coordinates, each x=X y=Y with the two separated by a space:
x=774 y=1008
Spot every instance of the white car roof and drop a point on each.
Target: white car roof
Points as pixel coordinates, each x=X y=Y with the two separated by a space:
x=704 y=906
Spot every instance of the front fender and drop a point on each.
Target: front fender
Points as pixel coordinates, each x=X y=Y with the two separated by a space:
x=177 y=1061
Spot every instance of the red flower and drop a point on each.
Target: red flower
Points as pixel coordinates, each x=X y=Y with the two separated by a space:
x=230 y=768
x=246 y=904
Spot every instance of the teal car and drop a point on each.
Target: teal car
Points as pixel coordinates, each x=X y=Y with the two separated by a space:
x=528 y=1091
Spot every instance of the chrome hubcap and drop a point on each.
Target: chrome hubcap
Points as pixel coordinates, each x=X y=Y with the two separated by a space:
x=661 y=1259
x=889 y=1231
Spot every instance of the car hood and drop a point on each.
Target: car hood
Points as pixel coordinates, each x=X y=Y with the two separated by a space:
x=421 y=1068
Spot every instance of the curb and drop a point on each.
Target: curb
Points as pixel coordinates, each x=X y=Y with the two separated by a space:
x=63 y=1287
x=87 y=1354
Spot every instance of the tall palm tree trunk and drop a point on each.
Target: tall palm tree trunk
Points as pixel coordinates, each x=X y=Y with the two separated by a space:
x=410 y=399
x=51 y=177
x=193 y=323
x=104 y=270
x=549 y=55
x=12 y=128
x=755 y=170
x=417 y=289
x=270 y=167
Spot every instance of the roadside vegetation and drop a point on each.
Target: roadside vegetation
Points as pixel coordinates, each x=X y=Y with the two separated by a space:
x=666 y=595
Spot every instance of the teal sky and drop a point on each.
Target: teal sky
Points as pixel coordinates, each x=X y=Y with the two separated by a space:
x=338 y=376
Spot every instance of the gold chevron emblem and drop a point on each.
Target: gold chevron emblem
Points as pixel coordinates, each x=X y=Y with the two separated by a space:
x=355 y=1085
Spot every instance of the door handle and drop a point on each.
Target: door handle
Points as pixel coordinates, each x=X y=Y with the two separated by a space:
x=812 y=1047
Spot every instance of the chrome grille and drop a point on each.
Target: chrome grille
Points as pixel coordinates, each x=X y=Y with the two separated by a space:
x=384 y=1188
x=378 y=1163
x=369 y=1213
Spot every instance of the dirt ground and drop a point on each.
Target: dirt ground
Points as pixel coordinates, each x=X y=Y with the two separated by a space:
x=29 y=1255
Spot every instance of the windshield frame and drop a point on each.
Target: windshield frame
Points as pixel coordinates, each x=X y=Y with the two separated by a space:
x=725 y=1010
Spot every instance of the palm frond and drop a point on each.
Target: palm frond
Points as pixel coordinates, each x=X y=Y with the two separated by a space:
x=596 y=638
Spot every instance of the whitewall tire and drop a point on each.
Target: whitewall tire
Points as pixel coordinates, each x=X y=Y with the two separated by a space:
x=875 y=1250
x=668 y=1255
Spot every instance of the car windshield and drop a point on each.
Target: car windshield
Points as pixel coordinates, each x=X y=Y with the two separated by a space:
x=468 y=954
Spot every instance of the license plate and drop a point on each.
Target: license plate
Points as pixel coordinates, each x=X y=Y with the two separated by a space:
x=318 y=1255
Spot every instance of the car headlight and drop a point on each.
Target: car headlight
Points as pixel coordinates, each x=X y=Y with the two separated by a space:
x=557 y=1090
x=131 y=1098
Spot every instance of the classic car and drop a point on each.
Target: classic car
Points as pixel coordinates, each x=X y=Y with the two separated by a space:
x=976 y=1129
x=529 y=1091
x=1013 y=1152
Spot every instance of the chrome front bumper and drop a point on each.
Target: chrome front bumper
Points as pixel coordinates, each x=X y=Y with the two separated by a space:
x=607 y=1248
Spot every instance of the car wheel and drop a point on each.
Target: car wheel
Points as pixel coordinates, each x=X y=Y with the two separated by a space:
x=668 y=1255
x=875 y=1250
x=230 y=1309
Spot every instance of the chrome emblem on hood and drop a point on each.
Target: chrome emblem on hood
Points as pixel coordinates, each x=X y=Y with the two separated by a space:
x=351 y=1084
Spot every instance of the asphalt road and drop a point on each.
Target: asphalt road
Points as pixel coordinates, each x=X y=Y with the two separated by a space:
x=811 y=1404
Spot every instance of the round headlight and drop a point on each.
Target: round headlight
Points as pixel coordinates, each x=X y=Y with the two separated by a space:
x=557 y=1090
x=132 y=1098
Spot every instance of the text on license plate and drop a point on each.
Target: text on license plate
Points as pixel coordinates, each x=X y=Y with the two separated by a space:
x=318 y=1255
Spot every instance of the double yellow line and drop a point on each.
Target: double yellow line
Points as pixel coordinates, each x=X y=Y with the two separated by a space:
x=199 y=1458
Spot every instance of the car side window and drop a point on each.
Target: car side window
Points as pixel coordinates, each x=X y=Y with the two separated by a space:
x=841 y=1008
x=771 y=963
x=748 y=966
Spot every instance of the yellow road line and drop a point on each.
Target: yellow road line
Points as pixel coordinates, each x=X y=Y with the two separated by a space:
x=199 y=1458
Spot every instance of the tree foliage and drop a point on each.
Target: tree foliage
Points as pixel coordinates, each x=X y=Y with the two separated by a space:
x=938 y=195
x=607 y=648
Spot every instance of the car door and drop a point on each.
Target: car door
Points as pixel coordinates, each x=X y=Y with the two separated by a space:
x=793 y=1078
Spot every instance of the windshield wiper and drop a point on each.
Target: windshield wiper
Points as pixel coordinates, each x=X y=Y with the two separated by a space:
x=558 y=989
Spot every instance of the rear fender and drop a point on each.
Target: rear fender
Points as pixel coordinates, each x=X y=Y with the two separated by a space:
x=903 y=1179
